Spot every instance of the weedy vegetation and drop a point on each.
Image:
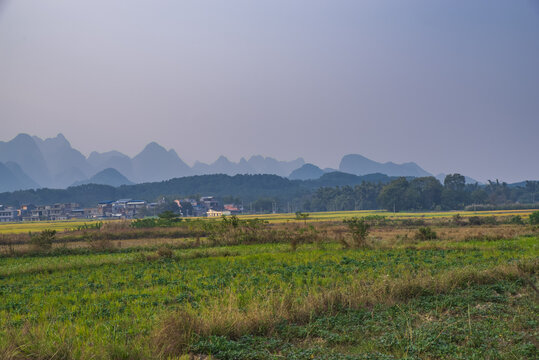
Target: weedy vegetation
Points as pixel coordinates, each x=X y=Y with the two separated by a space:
x=358 y=287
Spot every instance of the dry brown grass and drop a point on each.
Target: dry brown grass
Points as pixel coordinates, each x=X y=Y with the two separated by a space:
x=380 y=236
x=225 y=317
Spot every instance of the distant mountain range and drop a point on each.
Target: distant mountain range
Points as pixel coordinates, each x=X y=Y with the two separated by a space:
x=360 y=165
x=29 y=162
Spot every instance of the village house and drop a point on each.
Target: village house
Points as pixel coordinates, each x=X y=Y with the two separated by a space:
x=104 y=209
x=8 y=214
x=216 y=213
x=233 y=209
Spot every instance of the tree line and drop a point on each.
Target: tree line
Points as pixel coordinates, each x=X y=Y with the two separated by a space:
x=332 y=192
x=424 y=193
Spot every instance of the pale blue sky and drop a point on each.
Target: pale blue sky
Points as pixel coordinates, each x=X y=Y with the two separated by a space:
x=452 y=85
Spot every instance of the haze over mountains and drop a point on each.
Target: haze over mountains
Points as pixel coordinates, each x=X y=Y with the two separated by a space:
x=28 y=162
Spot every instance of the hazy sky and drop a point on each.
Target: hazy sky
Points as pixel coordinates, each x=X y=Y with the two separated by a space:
x=452 y=85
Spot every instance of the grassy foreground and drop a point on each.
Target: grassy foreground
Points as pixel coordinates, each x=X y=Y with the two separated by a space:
x=399 y=298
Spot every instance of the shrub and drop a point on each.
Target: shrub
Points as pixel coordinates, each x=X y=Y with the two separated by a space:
x=304 y=236
x=97 y=226
x=426 y=233
x=485 y=220
x=359 y=229
x=516 y=220
x=43 y=240
x=100 y=244
x=534 y=218
x=375 y=219
x=165 y=252
x=413 y=222
x=490 y=220
x=458 y=220
x=475 y=220
x=302 y=216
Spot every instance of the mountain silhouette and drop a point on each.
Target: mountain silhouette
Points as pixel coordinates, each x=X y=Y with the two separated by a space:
x=360 y=165
x=65 y=164
x=54 y=163
x=155 y=163
x=13 y=178
x=110 y=176
x=306 y=172
x=23 y=150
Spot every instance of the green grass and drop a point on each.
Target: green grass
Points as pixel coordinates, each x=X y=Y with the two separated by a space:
x=110 y=306
x=485 y=321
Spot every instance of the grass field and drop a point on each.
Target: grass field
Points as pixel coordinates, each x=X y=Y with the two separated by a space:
x=462 y=296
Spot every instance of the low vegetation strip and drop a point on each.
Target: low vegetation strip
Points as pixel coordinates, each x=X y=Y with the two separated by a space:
x=167 y=302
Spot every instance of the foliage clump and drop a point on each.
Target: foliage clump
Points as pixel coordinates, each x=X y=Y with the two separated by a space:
x=359 y=229
x=482 y=220
x=165 y=252
x=534 y=218
x=516 y=220
x=43 y=240
x=165 y=219
x=302 y=216
x=426 y=233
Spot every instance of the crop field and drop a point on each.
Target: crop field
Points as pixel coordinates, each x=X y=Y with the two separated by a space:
x=340 y=215
x=276 y=291
x=24 y=227
x=35 y=226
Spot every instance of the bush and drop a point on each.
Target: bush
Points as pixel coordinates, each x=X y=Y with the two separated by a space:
x=426 y=233
x=413 y=222
x=165 y=252
x=534 y=218
x=375 y=219
x=303 y=236
x=490 y=220
x=43 y=240
x=458 y=220
x=163 y=221
x=485 y=220
x=516 y=220
x=302 y=216
x=359 y=229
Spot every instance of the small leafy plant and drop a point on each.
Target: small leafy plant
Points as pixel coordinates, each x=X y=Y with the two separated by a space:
x=426 y=233
x=43 y=240
x=534 y=218
x=359 y=229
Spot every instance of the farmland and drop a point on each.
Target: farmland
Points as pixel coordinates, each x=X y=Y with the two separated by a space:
x=24 y=227
x=274 y=289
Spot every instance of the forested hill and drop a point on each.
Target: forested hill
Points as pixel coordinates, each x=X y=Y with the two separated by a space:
x=245 y=187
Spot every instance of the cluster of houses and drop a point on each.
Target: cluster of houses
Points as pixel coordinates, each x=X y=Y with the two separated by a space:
x=206 y=206
x=119 y=209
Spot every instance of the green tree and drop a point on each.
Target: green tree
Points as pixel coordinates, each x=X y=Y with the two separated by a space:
x=455 y=182
x=534 y=218
x=531 y=187
x=423 y=193
x=393 y=195
x=454 y=195
x=168 y=215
